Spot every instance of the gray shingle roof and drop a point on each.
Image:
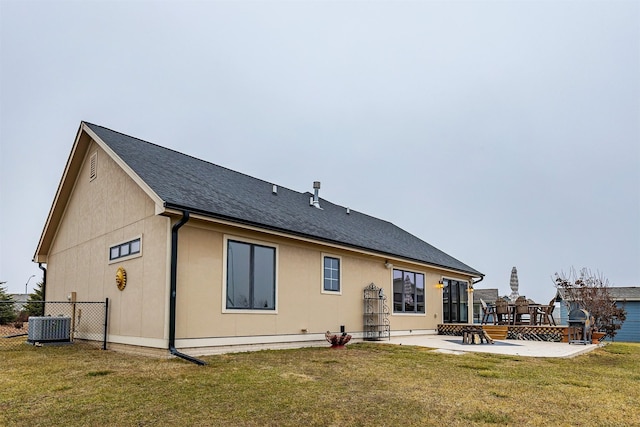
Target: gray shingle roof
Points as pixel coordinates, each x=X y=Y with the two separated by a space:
x=629 y=293
x=618 y=293
x=184 y=182
x=488 y=295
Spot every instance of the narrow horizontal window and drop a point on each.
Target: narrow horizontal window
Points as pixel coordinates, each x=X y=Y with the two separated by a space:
x=126 y=249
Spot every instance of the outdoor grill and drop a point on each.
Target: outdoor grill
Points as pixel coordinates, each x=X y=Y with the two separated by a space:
x=579 y=326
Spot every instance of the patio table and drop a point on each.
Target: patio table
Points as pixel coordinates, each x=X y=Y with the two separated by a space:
x=533 y=313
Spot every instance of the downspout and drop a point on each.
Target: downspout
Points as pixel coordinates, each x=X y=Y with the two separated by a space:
x=172 y=292
x=44 y=281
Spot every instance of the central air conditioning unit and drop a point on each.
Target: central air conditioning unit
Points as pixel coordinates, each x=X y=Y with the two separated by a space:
x=49 y=329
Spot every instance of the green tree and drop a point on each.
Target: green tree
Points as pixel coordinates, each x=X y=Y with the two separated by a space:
x=35 y=304
x=7 y=307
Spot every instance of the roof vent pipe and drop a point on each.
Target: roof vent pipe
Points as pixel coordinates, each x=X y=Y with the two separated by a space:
x=274 y=189
x=316 y=188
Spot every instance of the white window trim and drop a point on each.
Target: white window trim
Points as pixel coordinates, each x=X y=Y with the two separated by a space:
x=443 y=278
x=322 y=289
x=225 y=241
x=401 y=313
x=450 y=278
x=411 y=314
x=128 y=257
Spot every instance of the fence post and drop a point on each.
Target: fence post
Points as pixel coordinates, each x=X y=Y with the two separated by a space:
x=106 y=317
x=72 y=299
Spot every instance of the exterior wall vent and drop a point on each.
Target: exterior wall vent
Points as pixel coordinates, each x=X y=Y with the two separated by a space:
x=93 y=173
x=49 y=329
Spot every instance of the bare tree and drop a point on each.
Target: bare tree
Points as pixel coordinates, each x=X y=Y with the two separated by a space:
x=590 y=291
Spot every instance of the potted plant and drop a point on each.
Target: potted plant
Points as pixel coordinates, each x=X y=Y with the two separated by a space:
x=597 y=336
x=337 y=341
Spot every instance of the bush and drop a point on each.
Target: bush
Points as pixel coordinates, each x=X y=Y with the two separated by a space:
x=590 y=292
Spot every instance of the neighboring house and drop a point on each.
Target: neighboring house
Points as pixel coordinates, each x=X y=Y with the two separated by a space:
x=627 y=297
x=216 y=260
x=20 y=300
x=489 y=296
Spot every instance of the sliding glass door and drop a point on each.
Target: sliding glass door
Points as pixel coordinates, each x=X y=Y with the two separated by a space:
x=455 y=301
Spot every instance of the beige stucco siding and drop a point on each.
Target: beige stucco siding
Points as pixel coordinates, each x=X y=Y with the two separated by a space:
x=301 y=304
x=100 y=213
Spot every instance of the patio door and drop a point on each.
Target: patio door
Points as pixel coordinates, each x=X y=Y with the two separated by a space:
x=455 y=301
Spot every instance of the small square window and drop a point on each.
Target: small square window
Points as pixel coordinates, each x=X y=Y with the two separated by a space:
x=135 y=246
x=115 y=252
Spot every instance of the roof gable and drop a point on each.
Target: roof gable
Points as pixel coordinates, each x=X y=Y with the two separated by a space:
x=184 y=182
x=65 y=187
x=79 y=154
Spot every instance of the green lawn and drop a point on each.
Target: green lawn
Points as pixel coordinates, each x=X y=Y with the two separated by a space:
x=365 y=384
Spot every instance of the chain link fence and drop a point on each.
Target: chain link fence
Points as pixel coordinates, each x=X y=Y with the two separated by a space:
x=53 y=323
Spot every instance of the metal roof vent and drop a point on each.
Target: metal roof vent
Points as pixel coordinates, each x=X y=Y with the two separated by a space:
x=274 y=189
x=315 y=201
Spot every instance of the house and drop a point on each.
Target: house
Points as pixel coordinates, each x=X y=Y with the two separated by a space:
x=20 y=300
x=624 y=296
x=489 y=296
x=199 y=259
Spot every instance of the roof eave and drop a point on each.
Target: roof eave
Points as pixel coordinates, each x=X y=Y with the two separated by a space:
x=169 y=207
x=74 y=162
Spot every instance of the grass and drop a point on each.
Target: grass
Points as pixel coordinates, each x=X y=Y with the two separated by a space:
x=364 y=385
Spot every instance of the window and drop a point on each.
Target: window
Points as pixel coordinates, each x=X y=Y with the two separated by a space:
x=127 y=249
x=251 y=276
x=331 y=274
x=408 y=292
x=454 y=301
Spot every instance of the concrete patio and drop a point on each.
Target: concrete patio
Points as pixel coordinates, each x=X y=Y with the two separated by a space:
x=453 y=345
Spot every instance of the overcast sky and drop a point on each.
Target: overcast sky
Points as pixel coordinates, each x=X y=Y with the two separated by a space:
x=503 y=133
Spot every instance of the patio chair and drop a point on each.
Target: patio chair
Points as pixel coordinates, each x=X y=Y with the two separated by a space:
x=522 y=315
x=503 y=313
x=545 y=314
x=488 y=311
